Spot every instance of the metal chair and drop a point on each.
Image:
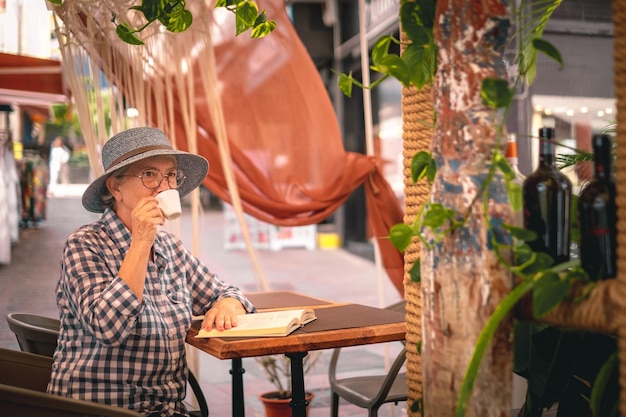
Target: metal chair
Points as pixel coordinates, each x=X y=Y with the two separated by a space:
x=369 y=391
x=38 y=334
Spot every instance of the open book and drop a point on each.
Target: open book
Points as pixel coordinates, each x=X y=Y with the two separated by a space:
x=266 y=324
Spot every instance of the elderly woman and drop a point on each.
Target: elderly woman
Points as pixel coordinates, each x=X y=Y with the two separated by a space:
x=128 y=290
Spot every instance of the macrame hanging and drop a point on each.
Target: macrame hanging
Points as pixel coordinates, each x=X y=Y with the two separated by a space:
x=257 y=109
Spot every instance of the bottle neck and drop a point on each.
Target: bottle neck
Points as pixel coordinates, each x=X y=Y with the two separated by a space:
x=546 y=153
x=602 y=156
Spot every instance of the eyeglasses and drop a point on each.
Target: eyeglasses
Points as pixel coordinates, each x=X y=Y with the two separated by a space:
x=152 y=178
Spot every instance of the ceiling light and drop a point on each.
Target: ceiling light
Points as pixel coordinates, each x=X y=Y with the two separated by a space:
x=584 y=109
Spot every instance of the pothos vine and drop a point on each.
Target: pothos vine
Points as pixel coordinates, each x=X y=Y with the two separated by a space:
x=535 y=272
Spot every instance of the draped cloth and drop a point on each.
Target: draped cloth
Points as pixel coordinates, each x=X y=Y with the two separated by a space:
x=283 y=136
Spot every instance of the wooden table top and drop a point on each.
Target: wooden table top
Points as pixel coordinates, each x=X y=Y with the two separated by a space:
x=337 y=325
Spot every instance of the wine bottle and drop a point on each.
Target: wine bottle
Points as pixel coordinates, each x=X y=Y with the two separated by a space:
x=515 y=189
x=597 y=215
x=547 y=195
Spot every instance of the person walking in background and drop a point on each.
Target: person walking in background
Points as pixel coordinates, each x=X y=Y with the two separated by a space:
x=59 y=157
x=128 y=289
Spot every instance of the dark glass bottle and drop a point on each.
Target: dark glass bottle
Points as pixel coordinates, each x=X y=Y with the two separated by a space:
x=597 y=215
x=547 y=197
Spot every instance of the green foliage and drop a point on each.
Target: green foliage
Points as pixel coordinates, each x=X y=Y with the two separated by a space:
x=247 y=16
x=415 y=273
x=423 y=166
x=496 y=93
x=173 y=15
x=401 y=236
x=532 y=18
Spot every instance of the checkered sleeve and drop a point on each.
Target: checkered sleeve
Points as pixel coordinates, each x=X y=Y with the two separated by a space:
x=106 y=306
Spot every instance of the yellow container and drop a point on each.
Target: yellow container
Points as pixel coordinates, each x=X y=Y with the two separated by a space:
x=328 y=240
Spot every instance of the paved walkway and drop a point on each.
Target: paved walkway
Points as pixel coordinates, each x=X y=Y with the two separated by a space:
x=27 y=285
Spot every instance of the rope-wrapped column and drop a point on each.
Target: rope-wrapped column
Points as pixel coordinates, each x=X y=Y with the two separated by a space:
x=417 y=114
x=417 y=119
x=619 y=290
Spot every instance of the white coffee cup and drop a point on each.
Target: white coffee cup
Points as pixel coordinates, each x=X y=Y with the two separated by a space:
x=169 y=203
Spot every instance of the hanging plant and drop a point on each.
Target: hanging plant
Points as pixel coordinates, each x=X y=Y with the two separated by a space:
x=174 y=16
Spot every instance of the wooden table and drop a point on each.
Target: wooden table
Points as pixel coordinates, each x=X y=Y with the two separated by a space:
x=337 y=325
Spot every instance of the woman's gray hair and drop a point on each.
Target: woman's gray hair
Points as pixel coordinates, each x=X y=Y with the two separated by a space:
x=108 y=201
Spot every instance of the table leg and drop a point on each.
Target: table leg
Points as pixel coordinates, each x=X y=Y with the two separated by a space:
x=298 y=400
x=237 y=372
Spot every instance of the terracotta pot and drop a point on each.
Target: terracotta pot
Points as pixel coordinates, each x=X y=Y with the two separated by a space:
x=279 y=407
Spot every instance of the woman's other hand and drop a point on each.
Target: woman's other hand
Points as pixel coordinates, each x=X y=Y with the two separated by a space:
x=223 y=314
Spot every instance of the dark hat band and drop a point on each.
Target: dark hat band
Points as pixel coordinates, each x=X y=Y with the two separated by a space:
x=136 y=152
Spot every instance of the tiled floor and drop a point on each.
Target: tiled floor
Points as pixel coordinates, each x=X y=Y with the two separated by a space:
x=27 y=284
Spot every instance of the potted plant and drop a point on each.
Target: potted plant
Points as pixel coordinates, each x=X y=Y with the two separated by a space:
x=277 y=368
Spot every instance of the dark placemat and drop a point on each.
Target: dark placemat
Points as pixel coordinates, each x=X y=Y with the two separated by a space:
x=350 y=316
x=283 y=299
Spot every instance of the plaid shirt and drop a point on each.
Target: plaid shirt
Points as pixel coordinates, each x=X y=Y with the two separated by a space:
x=114 y=348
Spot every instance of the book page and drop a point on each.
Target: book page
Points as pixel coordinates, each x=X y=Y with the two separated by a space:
x=271 y=323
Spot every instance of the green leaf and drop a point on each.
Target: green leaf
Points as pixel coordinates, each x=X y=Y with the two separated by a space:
x=426 y=12
x=549 y=291
x=416 y=407
x=127 y=35
x=420 y=61
x=542 y=261
x=151 y=9
x=245 y=16
x=520 y=233
x=422 y=165
x=415 y=271
x=600 y=384
x=409 y=19
x=578 y=274
x=515 y=194
x=503 y=165
x=401 y=235
x=437 y=215
x=345 y=84
x=394 y=66
x=173 y=7
x=56 y=2
x=380 y=50
x=547 y=48
x=263 y=29
x=179 y=23
x=261 y=18
x=496 y=93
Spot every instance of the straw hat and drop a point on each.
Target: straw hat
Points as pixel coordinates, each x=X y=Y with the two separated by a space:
x=133 y=145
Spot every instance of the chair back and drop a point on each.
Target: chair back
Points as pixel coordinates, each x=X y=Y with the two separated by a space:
x=20 y=402
x=34 y=333
x=25 y=370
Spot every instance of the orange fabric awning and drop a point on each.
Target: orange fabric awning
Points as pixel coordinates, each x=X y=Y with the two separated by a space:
x=30 y=81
